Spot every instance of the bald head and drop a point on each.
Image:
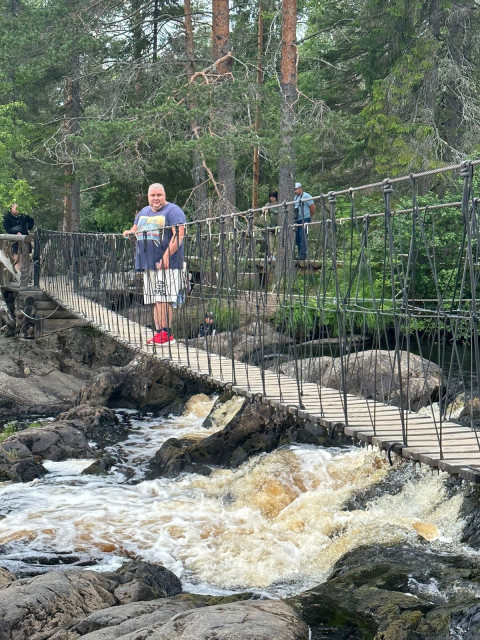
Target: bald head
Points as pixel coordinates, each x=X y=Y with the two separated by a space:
x=156 y=196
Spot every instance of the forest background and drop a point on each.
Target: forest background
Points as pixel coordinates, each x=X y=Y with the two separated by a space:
x=222 y=102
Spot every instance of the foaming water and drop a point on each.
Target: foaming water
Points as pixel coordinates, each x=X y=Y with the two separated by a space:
x=277 y=524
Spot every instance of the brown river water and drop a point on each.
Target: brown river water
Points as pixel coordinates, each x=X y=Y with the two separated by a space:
x=276 y=525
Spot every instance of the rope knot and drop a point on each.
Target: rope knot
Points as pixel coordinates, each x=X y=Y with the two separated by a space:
x=387 y=186
x=466 y=169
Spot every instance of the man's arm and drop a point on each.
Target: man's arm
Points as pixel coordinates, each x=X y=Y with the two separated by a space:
x=175 y=242
x=312 y=209
x=129 y=232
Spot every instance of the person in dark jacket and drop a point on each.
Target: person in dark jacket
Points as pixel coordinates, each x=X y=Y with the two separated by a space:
x=208 y=327
x=18 y=224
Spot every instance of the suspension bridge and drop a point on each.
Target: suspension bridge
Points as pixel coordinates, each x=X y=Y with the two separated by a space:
x=374 y=334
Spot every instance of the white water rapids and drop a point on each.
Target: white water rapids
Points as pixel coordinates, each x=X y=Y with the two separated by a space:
x=275 y=525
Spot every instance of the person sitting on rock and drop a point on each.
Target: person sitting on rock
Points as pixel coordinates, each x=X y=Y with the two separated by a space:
x=208 y=326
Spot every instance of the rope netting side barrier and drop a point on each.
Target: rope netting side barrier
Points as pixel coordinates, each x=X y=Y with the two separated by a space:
x=383 y=307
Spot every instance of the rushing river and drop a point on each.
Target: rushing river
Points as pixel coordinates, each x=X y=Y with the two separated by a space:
x=275 y=525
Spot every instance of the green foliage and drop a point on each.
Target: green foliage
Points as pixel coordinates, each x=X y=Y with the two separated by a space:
x=13 y=143
x=12 y=427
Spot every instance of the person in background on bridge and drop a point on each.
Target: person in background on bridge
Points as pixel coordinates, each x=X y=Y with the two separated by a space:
x=270 y=222
x=304 y=208
x=18 y=224
x=160 y=229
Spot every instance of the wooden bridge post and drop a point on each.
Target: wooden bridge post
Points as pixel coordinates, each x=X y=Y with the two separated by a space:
x=24 y=249
x=36 y=261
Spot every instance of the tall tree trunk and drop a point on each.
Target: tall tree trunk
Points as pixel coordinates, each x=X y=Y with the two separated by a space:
x=138 y=42
x=71 y=200
x=156 y=14
x=286 y=174
x=256 y=157
x=221 y=47
x=199 y=174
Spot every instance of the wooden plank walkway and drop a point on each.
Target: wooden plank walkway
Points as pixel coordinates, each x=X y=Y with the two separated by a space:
x=368 y=421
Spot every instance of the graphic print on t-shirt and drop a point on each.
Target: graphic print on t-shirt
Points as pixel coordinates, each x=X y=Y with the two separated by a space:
x=148 y=227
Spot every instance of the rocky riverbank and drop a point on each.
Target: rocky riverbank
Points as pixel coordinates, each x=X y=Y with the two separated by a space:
x=397 y=592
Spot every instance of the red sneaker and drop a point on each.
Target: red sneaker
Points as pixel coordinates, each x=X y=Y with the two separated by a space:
x=161 y=338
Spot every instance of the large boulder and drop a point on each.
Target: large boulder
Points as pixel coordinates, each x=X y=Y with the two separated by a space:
x=247 y=344
x=38 y=607
x=43 y=377
x=144 y=383
x=17 y=462
x=256 y=428
x=99 y=424
x=56 y=441
x=22 y=453
x=145 y=581
x=395 y=593
x=115 y=622
x=250 y=620
x=409 y=381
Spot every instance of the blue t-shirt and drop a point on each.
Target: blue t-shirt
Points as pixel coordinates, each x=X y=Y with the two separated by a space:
x=302 y=207
x=153 y=236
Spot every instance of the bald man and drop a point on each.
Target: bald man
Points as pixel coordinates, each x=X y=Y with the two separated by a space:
x=160 y=228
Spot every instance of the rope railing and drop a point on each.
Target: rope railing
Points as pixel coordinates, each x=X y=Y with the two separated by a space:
x=384 y=306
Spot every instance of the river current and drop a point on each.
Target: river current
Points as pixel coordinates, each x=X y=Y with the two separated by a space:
x=276 y=525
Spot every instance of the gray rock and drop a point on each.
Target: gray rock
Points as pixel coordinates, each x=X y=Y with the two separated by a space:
x=247 y=344
x=99 y=423
x=256 y=428
x=144 y=383
x=34 y=608
x=395 y=593
x=145 y=581
x=375 y=374
x=55 y=441
x=115 y=622
x=6 y=577
x=43 y=377
x=17 y=462
x=250 y=620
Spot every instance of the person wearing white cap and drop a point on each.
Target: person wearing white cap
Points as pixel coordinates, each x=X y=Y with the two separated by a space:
x=304 y=210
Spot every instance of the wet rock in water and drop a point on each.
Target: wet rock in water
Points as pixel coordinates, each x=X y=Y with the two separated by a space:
x=470 y=513
x=100 y=466
x=17 y=462
x=145 y=581
x=55 y=441
x=66 y=437
x=99 y=424
x=395 y=593
x=257 y=428
x=374 y=374
x=259 y=619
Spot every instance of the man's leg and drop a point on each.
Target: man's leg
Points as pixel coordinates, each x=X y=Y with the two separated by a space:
x=304 y=242
x=162 y=315
x=298 y=240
